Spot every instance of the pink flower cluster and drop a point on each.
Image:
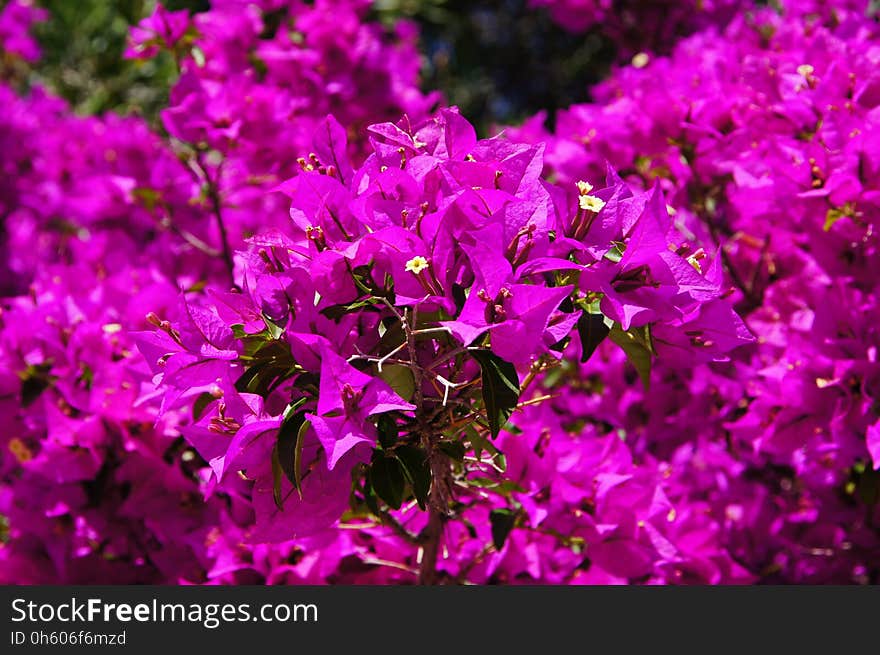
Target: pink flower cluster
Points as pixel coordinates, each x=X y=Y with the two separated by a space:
x=317 y=331
x=765 y=141
x=455 y=248
x=103 y=222
x=16 y=19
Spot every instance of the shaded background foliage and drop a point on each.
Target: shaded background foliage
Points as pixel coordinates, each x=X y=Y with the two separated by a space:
x=498 y=61
x=82 y=45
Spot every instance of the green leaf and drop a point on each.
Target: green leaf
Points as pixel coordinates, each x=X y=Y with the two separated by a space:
x=400 y=378
x=370 y=498
x=831 y=217
x=616 y=252
x=275 y=330
x=388 y=431
x=391 y=335
x=387 y=479
x=502 y=521
x=363 y=279
x=417 y=470
x=197 y=286
x=637 y=345
x=335 y=312
x=292 y=407
x=500 y=388
x=504 y=487
x=201 y=403
x=277 y=477
x=297 y=457
x=453 y=449
x=560 y=345
x=479 y=443
x=868 y=486
x=87 y=376
x=592 y=331
x=147 y=197
x=35 y=379
x=288 y=441
x=458 y=296
x=250 y=379
x=476 y=440
x=269 y=364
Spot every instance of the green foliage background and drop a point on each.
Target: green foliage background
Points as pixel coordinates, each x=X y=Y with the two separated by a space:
x=82 y=61
x=497 y=61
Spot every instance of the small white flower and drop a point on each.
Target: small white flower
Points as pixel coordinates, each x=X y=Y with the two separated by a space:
x=640 y=60
x=805 y=70
x=591 y=203
x=417 y=264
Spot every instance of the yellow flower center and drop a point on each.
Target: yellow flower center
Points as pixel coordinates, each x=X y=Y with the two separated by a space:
x=19 y=450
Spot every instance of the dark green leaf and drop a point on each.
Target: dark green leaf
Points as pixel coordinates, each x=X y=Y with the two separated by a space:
x=454 y=449
x=592 y=331
x=502 y=521
x=335 y=312
x=400 y=378
x=637 y=349
x=292 y=407
x=249 y=378
x=297 y=459
x=288 y=438
x=363 y=279
x=500 y=388
x=458 y=296
x=417 y=470
x=34 y=381
x=277 y=477
x=306 y=381
x=387 y=479
x=271 y=365
x=201 y=403
x=868 y=486
x=370 y=497
x=504 y=487
x=391 y=335
x=479 y=443
x=560 y=345
x=388 y=431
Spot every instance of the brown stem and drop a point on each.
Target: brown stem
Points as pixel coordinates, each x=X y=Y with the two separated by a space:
x=431 y=549
x=217 y=209
x=200 y=170
x=224 y=236
x=437 y=514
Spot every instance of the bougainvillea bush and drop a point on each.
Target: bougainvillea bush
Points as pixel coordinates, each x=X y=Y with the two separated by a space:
x=312 y=328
